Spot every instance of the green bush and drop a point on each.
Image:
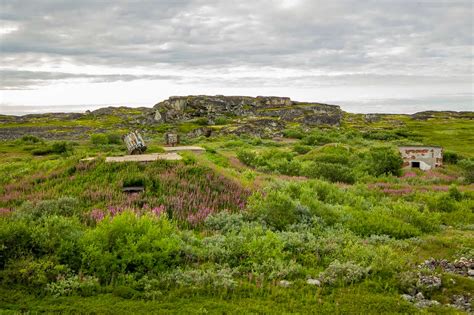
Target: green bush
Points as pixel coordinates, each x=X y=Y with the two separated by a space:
x=114 y=138
x=328 y=171
x=130 y=244
x=450 y=157
x=380 y=222
x=202 y=121
x=99 y=139
x=104 y=139
x=293 y=133
x=29 y=139
x=221 y=121
x=64 y=206
x=276 y=208
x=74 y=285
x=32 y=273
x=301 y=149
x=61 y=147
x=221 y=278
x=15 y=240
x=381 y=135
x=224 y=221
x=247 y=157
x=48 y=236
x=467 y=166
x=343 y=273
x=384 y=161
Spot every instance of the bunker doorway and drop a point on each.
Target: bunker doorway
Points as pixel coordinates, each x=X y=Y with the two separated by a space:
x=415 y=164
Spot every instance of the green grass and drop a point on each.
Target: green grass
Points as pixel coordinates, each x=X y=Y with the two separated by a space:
x=261 y=301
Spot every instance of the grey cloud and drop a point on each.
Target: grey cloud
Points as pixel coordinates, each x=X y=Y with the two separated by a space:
x=205 y=33
x=12 y=79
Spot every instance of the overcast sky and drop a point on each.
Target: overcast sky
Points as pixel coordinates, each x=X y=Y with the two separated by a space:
x=367 y=56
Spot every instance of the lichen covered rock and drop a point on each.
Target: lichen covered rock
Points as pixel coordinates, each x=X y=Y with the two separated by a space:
x=182 y=108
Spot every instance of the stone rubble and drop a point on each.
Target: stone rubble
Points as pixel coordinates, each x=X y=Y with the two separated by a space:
x=419 y=300
x=284 y=283
x=313 y=282
x=462 y=266
x=462 y=302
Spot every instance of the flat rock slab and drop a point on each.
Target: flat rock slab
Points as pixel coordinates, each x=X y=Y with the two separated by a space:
x=183 y=148
x=143 y=158
x=87 y=159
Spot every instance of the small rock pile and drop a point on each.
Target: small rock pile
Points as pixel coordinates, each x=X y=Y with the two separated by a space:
x=462 y=266
x=462 y=302
x=419 y=300
x=429 y=282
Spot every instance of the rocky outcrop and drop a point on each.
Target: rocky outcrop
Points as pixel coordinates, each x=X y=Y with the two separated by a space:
x=263 y=128
x=183 y=108
x=442 y=114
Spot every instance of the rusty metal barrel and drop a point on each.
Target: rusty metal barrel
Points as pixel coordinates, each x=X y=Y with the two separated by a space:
x=134 y=142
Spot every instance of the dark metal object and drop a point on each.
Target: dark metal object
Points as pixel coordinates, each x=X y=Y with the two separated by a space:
x=134 y=189
x=171 y=139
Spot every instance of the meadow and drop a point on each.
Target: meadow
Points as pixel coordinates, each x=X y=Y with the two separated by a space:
x=323 y=220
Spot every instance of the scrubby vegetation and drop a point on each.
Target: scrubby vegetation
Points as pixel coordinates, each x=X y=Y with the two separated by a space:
x=323 y=220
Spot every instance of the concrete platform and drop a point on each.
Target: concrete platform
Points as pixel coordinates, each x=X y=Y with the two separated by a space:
x=143 y=158
x=184 y=148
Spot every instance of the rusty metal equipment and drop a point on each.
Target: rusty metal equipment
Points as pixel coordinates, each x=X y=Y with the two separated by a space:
x=134 y=142
x=171 y=139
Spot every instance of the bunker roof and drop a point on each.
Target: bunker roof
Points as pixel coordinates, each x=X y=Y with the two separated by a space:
x=420 y=146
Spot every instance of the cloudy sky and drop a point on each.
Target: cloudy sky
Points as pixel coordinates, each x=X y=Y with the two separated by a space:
x=367 y=56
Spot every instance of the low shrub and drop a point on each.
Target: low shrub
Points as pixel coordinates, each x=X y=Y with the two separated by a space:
x=379 y=221
x=247 y=157
x=381 y=135
x=129 y=243
x=272 y=269
x=99 y=139
x=467 y=166
x=104 y=139
x=124 y=292
x=328 y=171
x=301 y=149
x=338 y=273
x=202 y=121
x=224 y=221
x=74 y=285
x=32 y=273
x=221 y=121
x=293 y=133
x=450 y=157
x=276 y=208
x=64 y=206
x=29 y=139
x=61 y=147
x=221 y=278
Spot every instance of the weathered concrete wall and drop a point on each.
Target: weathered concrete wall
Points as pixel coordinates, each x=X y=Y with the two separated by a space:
x=428 y=157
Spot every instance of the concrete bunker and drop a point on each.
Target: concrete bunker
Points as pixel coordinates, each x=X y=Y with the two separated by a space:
x=421 y=157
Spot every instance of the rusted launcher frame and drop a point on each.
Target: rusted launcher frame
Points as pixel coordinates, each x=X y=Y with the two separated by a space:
x=135 y=143
x=171 y=139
